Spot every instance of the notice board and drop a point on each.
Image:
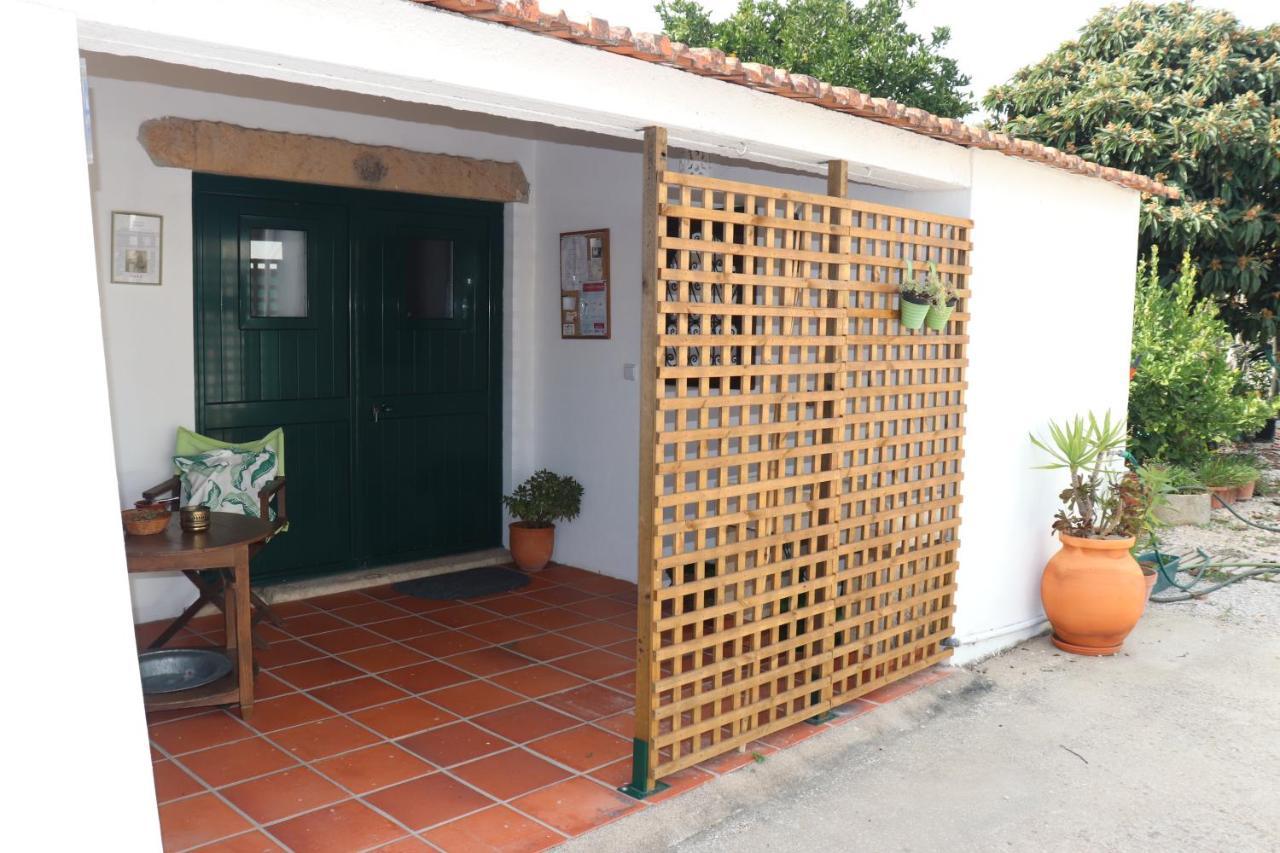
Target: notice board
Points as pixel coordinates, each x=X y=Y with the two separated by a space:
x=585 y=291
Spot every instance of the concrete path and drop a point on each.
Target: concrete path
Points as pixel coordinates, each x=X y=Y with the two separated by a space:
x=1172 y=745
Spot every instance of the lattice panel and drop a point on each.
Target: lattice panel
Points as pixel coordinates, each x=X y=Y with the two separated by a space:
x=806 y=461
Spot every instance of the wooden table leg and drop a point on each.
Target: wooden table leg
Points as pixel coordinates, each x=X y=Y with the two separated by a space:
x=244 y=626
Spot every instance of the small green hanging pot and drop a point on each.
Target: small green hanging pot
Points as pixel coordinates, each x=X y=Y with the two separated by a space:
x=911 y=314
x=938 y=315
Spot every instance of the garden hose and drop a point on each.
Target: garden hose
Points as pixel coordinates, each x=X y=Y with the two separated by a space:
x=1169 y=570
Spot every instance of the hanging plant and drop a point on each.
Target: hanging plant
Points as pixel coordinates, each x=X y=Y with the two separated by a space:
x=942 y=299
x=913 y=299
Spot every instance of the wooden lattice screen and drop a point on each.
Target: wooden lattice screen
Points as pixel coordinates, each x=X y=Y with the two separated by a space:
x=801 y=454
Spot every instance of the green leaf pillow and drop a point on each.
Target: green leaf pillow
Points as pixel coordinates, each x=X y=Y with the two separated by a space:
x=191 y=443
x=226 y=480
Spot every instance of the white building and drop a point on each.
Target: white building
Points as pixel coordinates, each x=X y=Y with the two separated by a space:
x=556 y=111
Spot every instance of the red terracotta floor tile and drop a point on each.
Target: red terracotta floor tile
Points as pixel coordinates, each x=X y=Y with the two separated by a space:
x=603 y=608
x=369 y=612
x=487 y=661
x=623 y=683
x=619 y=773
x=622 y=725
x=545 y=647
x=172 y=781
x=422 y=606
x=427 y=801
x=497 y=828
x=510 y=605
x=374 y=767
x=596 y=664
x=851 y=710
x=525 y=722
x=198 y=732
x=316 y=673
x=504 y=775
x=444 y=643
x=538 y=680
x=234 y=762
x=405 y=627
x=313 y=623
x=552 y=618
x=504 y=630
x=453 y=744
x=561 y=596
x=283 y=795
x=792 y=735
x=626 y=648
x=397 y=719
x=472 y=697
x=323 y=738
x=730 y=761
x=266 y=686
x=290 y=609
x=337 y=829
x=292 y=710
x=246 y=842
x=583 y=748
x=198 y=820
x=576 y=805
x=430 y=675
x=346 y=640
x=591 y=702
x=357 y=694
x=408 y=844
x=285 y=652
x=461 y=615
x=384 y=657
x=598 y=634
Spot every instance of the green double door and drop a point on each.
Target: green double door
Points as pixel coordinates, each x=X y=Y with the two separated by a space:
x=367 y=325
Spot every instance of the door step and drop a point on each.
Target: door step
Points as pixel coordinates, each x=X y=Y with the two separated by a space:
x=381 y=575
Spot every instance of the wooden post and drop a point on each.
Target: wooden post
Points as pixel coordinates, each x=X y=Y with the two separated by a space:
x=838 y=178
x=643 y=781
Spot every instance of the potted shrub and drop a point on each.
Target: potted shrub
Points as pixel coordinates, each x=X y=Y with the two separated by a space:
x=913 y=299
x=1186 y=500
x=1093 y=590
x=1250 y=468
x=537 y=504
x=942 y=300
x=1225 y=476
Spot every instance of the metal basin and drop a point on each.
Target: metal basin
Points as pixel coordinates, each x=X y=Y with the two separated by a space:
x=171 y=670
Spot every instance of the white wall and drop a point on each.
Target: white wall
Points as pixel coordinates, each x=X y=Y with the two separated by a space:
x=1053 y=271
x=75 y=754
x=149 y=336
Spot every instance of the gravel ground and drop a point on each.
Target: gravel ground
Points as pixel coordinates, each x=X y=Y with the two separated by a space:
x=1254 y=601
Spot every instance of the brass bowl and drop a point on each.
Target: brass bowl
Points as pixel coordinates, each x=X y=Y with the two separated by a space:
x=194 y=519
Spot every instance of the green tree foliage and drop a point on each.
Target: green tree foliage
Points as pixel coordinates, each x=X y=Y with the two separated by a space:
x=1186 y=396
x=1188 y=96
x=867 y=47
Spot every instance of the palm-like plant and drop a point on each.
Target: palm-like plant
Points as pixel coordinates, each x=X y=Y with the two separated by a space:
x=1102 y=499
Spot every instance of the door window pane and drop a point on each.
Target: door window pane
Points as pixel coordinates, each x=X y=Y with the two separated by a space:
x=428 y=285
x=277 y=273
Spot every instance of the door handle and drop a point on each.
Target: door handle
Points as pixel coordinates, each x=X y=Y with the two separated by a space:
x=380 y=409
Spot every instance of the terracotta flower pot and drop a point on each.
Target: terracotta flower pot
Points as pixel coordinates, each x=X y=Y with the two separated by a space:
x=1245 y=492
x=1093 y=593
x=1149 y=577
x=1223 y=495
x=531 y=546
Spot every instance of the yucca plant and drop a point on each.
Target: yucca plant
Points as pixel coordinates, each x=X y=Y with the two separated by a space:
x=1103 y=500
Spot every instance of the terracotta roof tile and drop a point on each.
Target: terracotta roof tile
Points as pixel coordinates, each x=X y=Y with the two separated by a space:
x=709 y=62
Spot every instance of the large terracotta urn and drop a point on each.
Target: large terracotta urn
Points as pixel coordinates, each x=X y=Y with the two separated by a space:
x=1093 y=593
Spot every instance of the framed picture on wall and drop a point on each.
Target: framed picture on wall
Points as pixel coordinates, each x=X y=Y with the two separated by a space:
x=135 y=247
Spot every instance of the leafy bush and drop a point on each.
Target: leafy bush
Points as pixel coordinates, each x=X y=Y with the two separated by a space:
x=1223 y=470
x=1185 y=397
x=545 y=498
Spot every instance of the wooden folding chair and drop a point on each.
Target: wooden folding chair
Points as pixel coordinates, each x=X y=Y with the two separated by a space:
x=210 y=582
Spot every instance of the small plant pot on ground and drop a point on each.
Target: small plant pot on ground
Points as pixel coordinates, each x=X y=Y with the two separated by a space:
x=1191 y=508
x=938 y=315
x=532 y=545
x=1093 y=593
x=1223 y=495
x=1245 y=492
x=913 y=309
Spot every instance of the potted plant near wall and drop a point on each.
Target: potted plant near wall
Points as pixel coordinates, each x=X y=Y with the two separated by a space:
x=942 y=300
x=913 y=299
x=537 y=504
x=1093 y=590
x=1225 y=476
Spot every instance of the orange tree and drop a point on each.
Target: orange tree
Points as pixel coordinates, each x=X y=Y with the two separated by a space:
x=1189 y=96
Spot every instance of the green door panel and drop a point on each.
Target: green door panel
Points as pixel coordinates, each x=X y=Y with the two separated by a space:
x=422 y=479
